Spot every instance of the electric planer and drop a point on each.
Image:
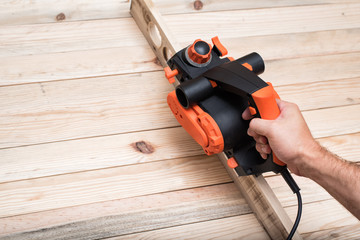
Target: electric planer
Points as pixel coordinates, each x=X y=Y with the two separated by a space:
x=213 y=93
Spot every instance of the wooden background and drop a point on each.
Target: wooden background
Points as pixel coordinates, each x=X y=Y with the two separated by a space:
x=89 y=148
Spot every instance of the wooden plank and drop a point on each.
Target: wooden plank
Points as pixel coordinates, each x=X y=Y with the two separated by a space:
x=77 y=36
x=255 y=190
x=126 y=216
x=312 y=69
x=124 y=60
x=336 y=122
x=344 y=146
x=259 y=22
x=324 y=218
x=239 y=227
x=40 y=11
x=82 y=108
x=73 y=156
x=37 y=39
x=324 y=94
x=303 y=44
x=183 y=6
x=66 y=190
x=193 y=205
x=95 y=153
x=323 y=215
x=55 y=66
x=245 y=226
x=337 y=233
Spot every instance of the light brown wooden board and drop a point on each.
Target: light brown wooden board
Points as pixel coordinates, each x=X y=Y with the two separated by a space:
x=77 y=36
x=40 y=11
x=119 y=150
x=225 y=228
x=231 y=230
x=259 y=22
x=195 y=205
x=338 y=233
x=108 y=184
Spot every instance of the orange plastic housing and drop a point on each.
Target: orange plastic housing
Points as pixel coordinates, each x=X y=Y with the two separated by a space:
x=265 y=101
x=199 y=124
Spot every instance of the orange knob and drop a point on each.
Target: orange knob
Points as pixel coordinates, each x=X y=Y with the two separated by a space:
x=200 y=51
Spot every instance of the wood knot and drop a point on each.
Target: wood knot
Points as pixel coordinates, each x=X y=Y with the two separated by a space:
x=60 y=17
x=143 y=147
x=198 y=5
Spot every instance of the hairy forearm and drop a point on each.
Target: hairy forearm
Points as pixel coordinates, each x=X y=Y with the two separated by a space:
x=339 y=177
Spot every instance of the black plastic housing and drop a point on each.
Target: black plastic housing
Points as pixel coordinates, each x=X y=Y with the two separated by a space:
x=224 y=104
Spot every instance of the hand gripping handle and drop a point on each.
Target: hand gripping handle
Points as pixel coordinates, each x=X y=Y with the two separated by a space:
x=265 y=103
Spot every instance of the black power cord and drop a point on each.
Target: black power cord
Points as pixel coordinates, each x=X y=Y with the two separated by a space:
x=295 y=188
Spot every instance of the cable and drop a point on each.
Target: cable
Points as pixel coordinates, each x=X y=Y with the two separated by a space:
x=295 y=188
x=298 y=216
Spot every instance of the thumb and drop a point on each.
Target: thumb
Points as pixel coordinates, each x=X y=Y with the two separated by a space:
x=260 y=126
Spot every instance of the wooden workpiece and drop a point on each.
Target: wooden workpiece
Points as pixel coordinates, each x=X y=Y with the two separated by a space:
x=89 y=148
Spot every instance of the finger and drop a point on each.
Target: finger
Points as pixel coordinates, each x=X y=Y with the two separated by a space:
x=263 y=155
x=260 y=126
x=258 y=138
x=263 y=148
x=246 y=115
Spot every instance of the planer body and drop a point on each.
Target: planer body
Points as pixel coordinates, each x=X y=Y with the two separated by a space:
x=213 y=93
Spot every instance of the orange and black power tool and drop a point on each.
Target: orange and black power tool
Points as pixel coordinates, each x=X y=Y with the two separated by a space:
x=213 y=93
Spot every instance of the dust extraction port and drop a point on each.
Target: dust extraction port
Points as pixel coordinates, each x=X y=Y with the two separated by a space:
x=182 y=98
x=193 y=91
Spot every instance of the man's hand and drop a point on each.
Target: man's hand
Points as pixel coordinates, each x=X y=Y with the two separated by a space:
x=290 y=139
x=288 y=136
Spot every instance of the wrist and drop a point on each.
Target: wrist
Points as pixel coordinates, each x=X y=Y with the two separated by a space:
x=311 y=160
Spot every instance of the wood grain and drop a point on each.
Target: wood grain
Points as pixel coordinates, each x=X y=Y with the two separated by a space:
x=43 y=160
x=35 y=39
x=41 y=194
x=92 y=63
x=336 y=123
x=344 y=146
x=61 y=110
x=108 y=105
x=199 y=204
x=192 y=205
x=312 y=69
x=95 y=153
x=79 y=36
x=335 y=215
x=97 y=156
x=239 y=227
x=324 y=94
x=302 y=44
x=337 y=233
x=259 y=22
x=40 y=11
x=323 y=215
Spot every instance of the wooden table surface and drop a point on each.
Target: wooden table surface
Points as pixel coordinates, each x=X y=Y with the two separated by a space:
x=89 y=148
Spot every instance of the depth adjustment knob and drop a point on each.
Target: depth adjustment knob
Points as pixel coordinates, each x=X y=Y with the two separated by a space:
x=199 y=53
